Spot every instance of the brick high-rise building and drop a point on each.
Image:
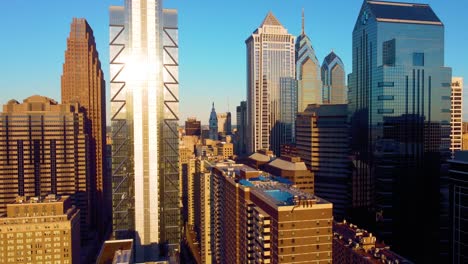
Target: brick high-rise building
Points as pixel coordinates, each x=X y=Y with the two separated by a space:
x=192 y=127
x=43 y=150
x=40 y=230
x=83 y=82
x=261 y=218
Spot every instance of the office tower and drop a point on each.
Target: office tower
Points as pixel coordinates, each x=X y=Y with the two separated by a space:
x=241 y=120
x=458 y=213
x=40 y=230
x=289 y=149
x=44 y=151
x=144 y=105
x=83 y=82
x=192 y=127
x=223 y=122
x=283 y=132
x=202 y=208
x=294 y=170
x=333 y=80
x=353 y=245
x=309 y=85
x=270 y=56
x=322 y=141
x=261 y=218
x=456 y=135
x=399 y=108
x=213 y=124
x=228 y=124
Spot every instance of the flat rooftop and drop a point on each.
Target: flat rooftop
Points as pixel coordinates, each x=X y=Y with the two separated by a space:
x=274 y=189
x=51 y=198
x=279 y=191
x=116 y=251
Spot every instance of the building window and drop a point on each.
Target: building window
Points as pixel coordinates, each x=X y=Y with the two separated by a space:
x=385 y=97
x=385 y=84
x=418 y=59
x=388 y=53
x=385 y=111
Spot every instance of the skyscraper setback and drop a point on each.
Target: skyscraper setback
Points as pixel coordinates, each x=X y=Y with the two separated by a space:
x=399 y=106
x=43 y=151
x=144 y=105
x=309 y=84
x=270 y=56
x=333 y=79
x=83 y=82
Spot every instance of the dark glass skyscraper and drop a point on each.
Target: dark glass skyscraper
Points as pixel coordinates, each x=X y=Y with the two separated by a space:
x=241 y=120
x=399 y=108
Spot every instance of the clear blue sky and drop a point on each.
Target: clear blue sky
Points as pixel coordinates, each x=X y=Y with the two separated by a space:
x=211 y=39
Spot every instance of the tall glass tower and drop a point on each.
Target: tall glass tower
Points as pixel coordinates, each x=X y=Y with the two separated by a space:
x=144 y=106
x=309 y=84
x=333 y=80
x=270 y=59
x=399 y=108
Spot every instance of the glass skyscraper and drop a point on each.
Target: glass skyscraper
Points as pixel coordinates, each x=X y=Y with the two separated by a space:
x=333 y=80
x=270 y=57
x=144 y=106
x=399 y=108
x=309 y=84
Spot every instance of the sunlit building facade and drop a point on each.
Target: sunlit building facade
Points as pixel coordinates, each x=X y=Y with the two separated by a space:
x=41 y=230
x=144 y=115
x=258 y=217
x=333 y=80
x=270 y=57
x=83 y=83
x=309 y=84
x=43 y=150
x=456 y=123
x=399 y=109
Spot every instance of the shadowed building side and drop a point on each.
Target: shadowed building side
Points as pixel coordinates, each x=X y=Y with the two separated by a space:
x=83 y=83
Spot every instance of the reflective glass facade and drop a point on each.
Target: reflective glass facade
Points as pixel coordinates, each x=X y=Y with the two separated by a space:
x=270 y=57
x=144 y=105
x=401 y=124
x=309 y=85
x=333 y=80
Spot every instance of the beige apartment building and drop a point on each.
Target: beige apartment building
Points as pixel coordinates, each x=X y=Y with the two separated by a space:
x=43 y=150
x=456 y=122
x=40 y=230
x=262 y=218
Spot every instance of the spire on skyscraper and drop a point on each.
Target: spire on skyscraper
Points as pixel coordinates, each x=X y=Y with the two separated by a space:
x=303 y=31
